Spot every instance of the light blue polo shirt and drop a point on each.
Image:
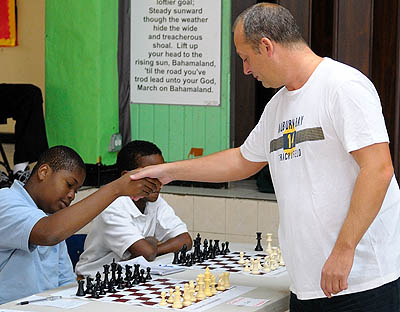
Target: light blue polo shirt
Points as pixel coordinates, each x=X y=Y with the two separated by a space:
x=27 y=269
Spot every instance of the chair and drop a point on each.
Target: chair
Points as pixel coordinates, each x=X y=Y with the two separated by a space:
x=75 y=245
x=5 y=138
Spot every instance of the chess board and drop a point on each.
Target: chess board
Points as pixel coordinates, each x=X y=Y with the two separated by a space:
x=229 y=263
x=149 y=294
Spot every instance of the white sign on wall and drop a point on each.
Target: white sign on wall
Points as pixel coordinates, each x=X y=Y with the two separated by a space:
x=176 y=52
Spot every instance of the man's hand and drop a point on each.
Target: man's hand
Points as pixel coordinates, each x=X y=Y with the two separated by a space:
x=336 y=271
x=158 y=172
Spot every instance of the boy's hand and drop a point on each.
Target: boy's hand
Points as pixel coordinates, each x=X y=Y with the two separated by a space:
x=139 y=188
x=156 y=171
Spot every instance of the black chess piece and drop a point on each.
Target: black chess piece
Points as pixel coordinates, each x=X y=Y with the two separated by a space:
x=89 y=285
x=111 y=288
x=258 y=246
x=227 y=248
x=102 y=289
x=148 y=276
x=119 y=275
x=128 y=276
x=222 y=249
x=113 y=270
x=81 y=290
x=96 y=292
x=142 y=278
x=106 y=272
x=136 y=272
x=216 y=247
x=98 y=278
x=175 y=261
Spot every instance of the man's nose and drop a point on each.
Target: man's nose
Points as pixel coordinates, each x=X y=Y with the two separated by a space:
x=246 y=68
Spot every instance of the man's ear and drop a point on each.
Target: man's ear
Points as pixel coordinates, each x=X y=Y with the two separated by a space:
x=267 y=45
x=43 y=172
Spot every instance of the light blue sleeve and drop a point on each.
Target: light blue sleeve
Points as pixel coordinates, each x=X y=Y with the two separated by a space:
x=17 y=218
x=66 y=272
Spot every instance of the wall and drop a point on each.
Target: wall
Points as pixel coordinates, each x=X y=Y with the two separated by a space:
x=81 y=76
x=25 y=62
x=178 y=128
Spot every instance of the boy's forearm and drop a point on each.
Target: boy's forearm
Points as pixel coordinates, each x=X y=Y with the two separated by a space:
x=174 y=244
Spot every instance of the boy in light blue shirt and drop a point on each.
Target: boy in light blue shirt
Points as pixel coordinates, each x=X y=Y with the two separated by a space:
x=35 y=219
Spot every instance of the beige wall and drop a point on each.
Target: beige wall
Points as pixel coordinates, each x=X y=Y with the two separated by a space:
x=25 y=62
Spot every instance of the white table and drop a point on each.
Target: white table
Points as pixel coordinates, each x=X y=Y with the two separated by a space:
x=276 y=289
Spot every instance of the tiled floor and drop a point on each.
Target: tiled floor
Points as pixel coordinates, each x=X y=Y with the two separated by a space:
x=246 y=189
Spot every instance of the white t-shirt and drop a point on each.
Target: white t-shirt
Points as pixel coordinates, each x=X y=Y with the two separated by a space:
x=306 y=135
x=120 y=225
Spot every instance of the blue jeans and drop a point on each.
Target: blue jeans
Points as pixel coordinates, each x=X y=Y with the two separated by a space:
x=382 y=299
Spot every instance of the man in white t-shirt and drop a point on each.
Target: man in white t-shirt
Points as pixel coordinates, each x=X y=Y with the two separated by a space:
x=129 y=228
x=324 y=138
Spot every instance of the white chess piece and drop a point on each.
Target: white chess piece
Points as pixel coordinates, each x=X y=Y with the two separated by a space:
x=267 y=264
x=163 y=301
x=255 y=269
x=213 y=289
x=241 y=260
x=227 y=282
x=192 y=291
x=177 y=298
x=221 y=285
x=281 y=261
x=259 y=263
x=186 y=296
x=200 y=293
x=269 y=243
x=171 y=296
x=246 y=266
x=251 y=264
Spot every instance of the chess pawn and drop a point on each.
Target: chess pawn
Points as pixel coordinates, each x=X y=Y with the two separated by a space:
x=177 y=298
x=241 y=259
x=267 y=264
x=192 y=291
x=274 y=264
x=227 y=282
x=259 y=263
x=221 y=285
x=163 y=302
x=251 y=264
x=269 y=243
x=246 y=266
x=255 y=269
x=213 y=289
x=186 y=296
x=200 y=294
x=171 y=296
x=275 y=252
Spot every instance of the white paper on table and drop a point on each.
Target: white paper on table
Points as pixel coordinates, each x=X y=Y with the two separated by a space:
x=249 y=302
x=62 y=303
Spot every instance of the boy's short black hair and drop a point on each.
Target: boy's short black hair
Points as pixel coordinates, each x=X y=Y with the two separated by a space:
x=128 y=156
x=60 y=157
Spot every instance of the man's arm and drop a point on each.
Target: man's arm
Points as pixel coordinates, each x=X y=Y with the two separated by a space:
x=228 y=165
x=57 y=227
x=376 y=172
